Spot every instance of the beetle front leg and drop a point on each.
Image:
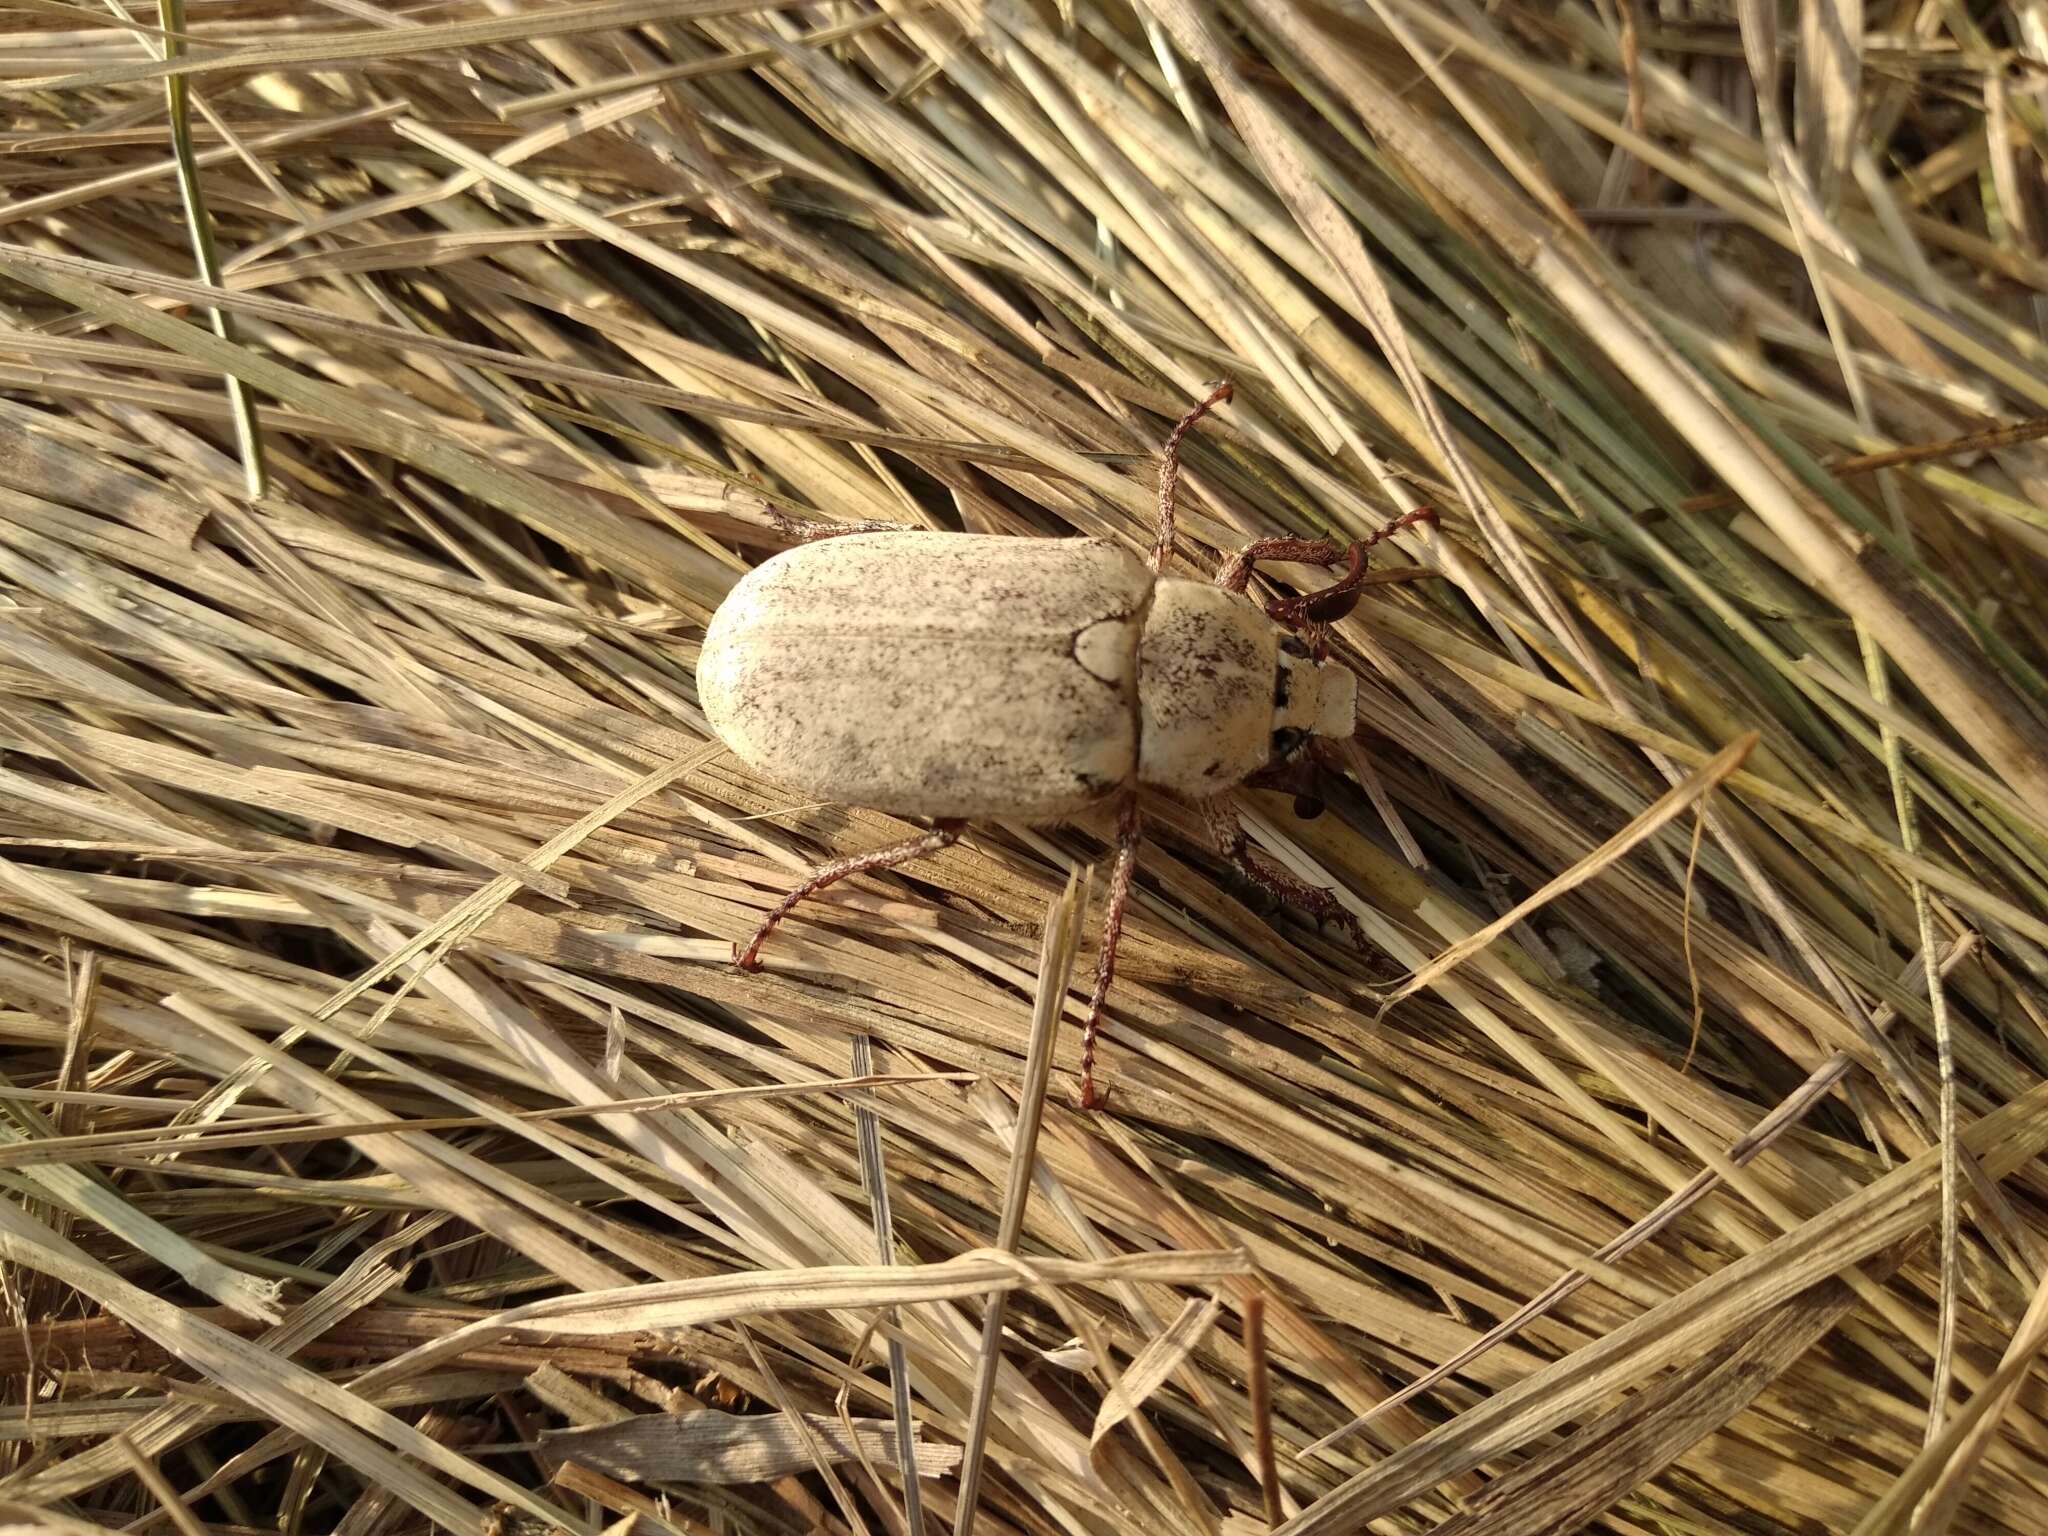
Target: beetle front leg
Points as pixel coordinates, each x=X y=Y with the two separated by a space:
x=1236 y=574
x=1302 y=775
x=1312 y=610
x=1127 y=830
x=944 y=834
x=1230 y=839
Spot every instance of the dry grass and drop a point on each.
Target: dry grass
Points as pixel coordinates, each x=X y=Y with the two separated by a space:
x=389 y=1135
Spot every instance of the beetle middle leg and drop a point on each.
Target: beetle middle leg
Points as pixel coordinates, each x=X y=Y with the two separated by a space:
x=1230 y=839
x=944 y=834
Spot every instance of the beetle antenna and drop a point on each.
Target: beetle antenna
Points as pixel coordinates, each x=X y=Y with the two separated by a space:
x=1112 y=935
x=1169 y=474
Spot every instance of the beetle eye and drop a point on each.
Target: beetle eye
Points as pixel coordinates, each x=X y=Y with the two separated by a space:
x=1286 y=740
x=1292 y=646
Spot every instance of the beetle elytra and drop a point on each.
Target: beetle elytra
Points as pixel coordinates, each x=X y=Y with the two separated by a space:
x=955 y=676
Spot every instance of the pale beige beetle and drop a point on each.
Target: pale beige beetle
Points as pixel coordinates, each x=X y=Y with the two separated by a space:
x=961 y=676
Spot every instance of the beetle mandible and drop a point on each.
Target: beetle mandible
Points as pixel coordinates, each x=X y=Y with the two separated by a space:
x=955 y=676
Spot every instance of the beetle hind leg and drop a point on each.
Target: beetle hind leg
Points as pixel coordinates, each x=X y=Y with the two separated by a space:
x=1127 y=830
x=1317 y=901
x=944 y=834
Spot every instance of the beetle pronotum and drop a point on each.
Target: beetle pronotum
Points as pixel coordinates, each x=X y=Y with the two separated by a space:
x=956 y=676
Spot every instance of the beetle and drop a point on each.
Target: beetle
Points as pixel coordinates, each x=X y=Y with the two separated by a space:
x=959 y=676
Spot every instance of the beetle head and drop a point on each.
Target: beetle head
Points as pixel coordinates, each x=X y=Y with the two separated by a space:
x=1312 y=697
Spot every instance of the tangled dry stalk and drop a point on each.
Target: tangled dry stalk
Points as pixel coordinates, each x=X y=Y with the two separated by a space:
x=390 y=1140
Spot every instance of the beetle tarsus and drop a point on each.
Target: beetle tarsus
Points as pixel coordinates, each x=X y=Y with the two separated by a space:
x=1127 y=828
x=943 y=835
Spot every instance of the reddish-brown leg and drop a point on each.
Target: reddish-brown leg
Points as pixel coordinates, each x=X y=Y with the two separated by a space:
x=1236 y=574
x=1302 y=775
x=1127 y=827
x=1329 y=604
x=1169 y=474
x=942 y=835
x=1269 y=877
x=1128 y=824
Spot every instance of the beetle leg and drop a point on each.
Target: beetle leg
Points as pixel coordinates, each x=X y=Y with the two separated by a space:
x=1308 y=613
x=1127 y=828
x=1236 y=574
x=1300 y=775
x=943 y=834
x=1311 y=610
x=1255 y=866
x=1169 y=475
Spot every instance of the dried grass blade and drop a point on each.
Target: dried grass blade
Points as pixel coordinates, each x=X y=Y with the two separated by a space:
x=815 y=1454
x=1828 y=89
x=1928 y=1493
x=322 y=1411
x=399 y=42
x=609 y=538
x=1876 y=1216
x=712 y=1447
x=462 y=921
x=723 y=1298
x=72 y=1189
x=1155 y=1364
x=1056 y=954
x=874 y=1179
x=1788 y=1112
x=1694 y=788
x=1577 y=1481
x=178 y=93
